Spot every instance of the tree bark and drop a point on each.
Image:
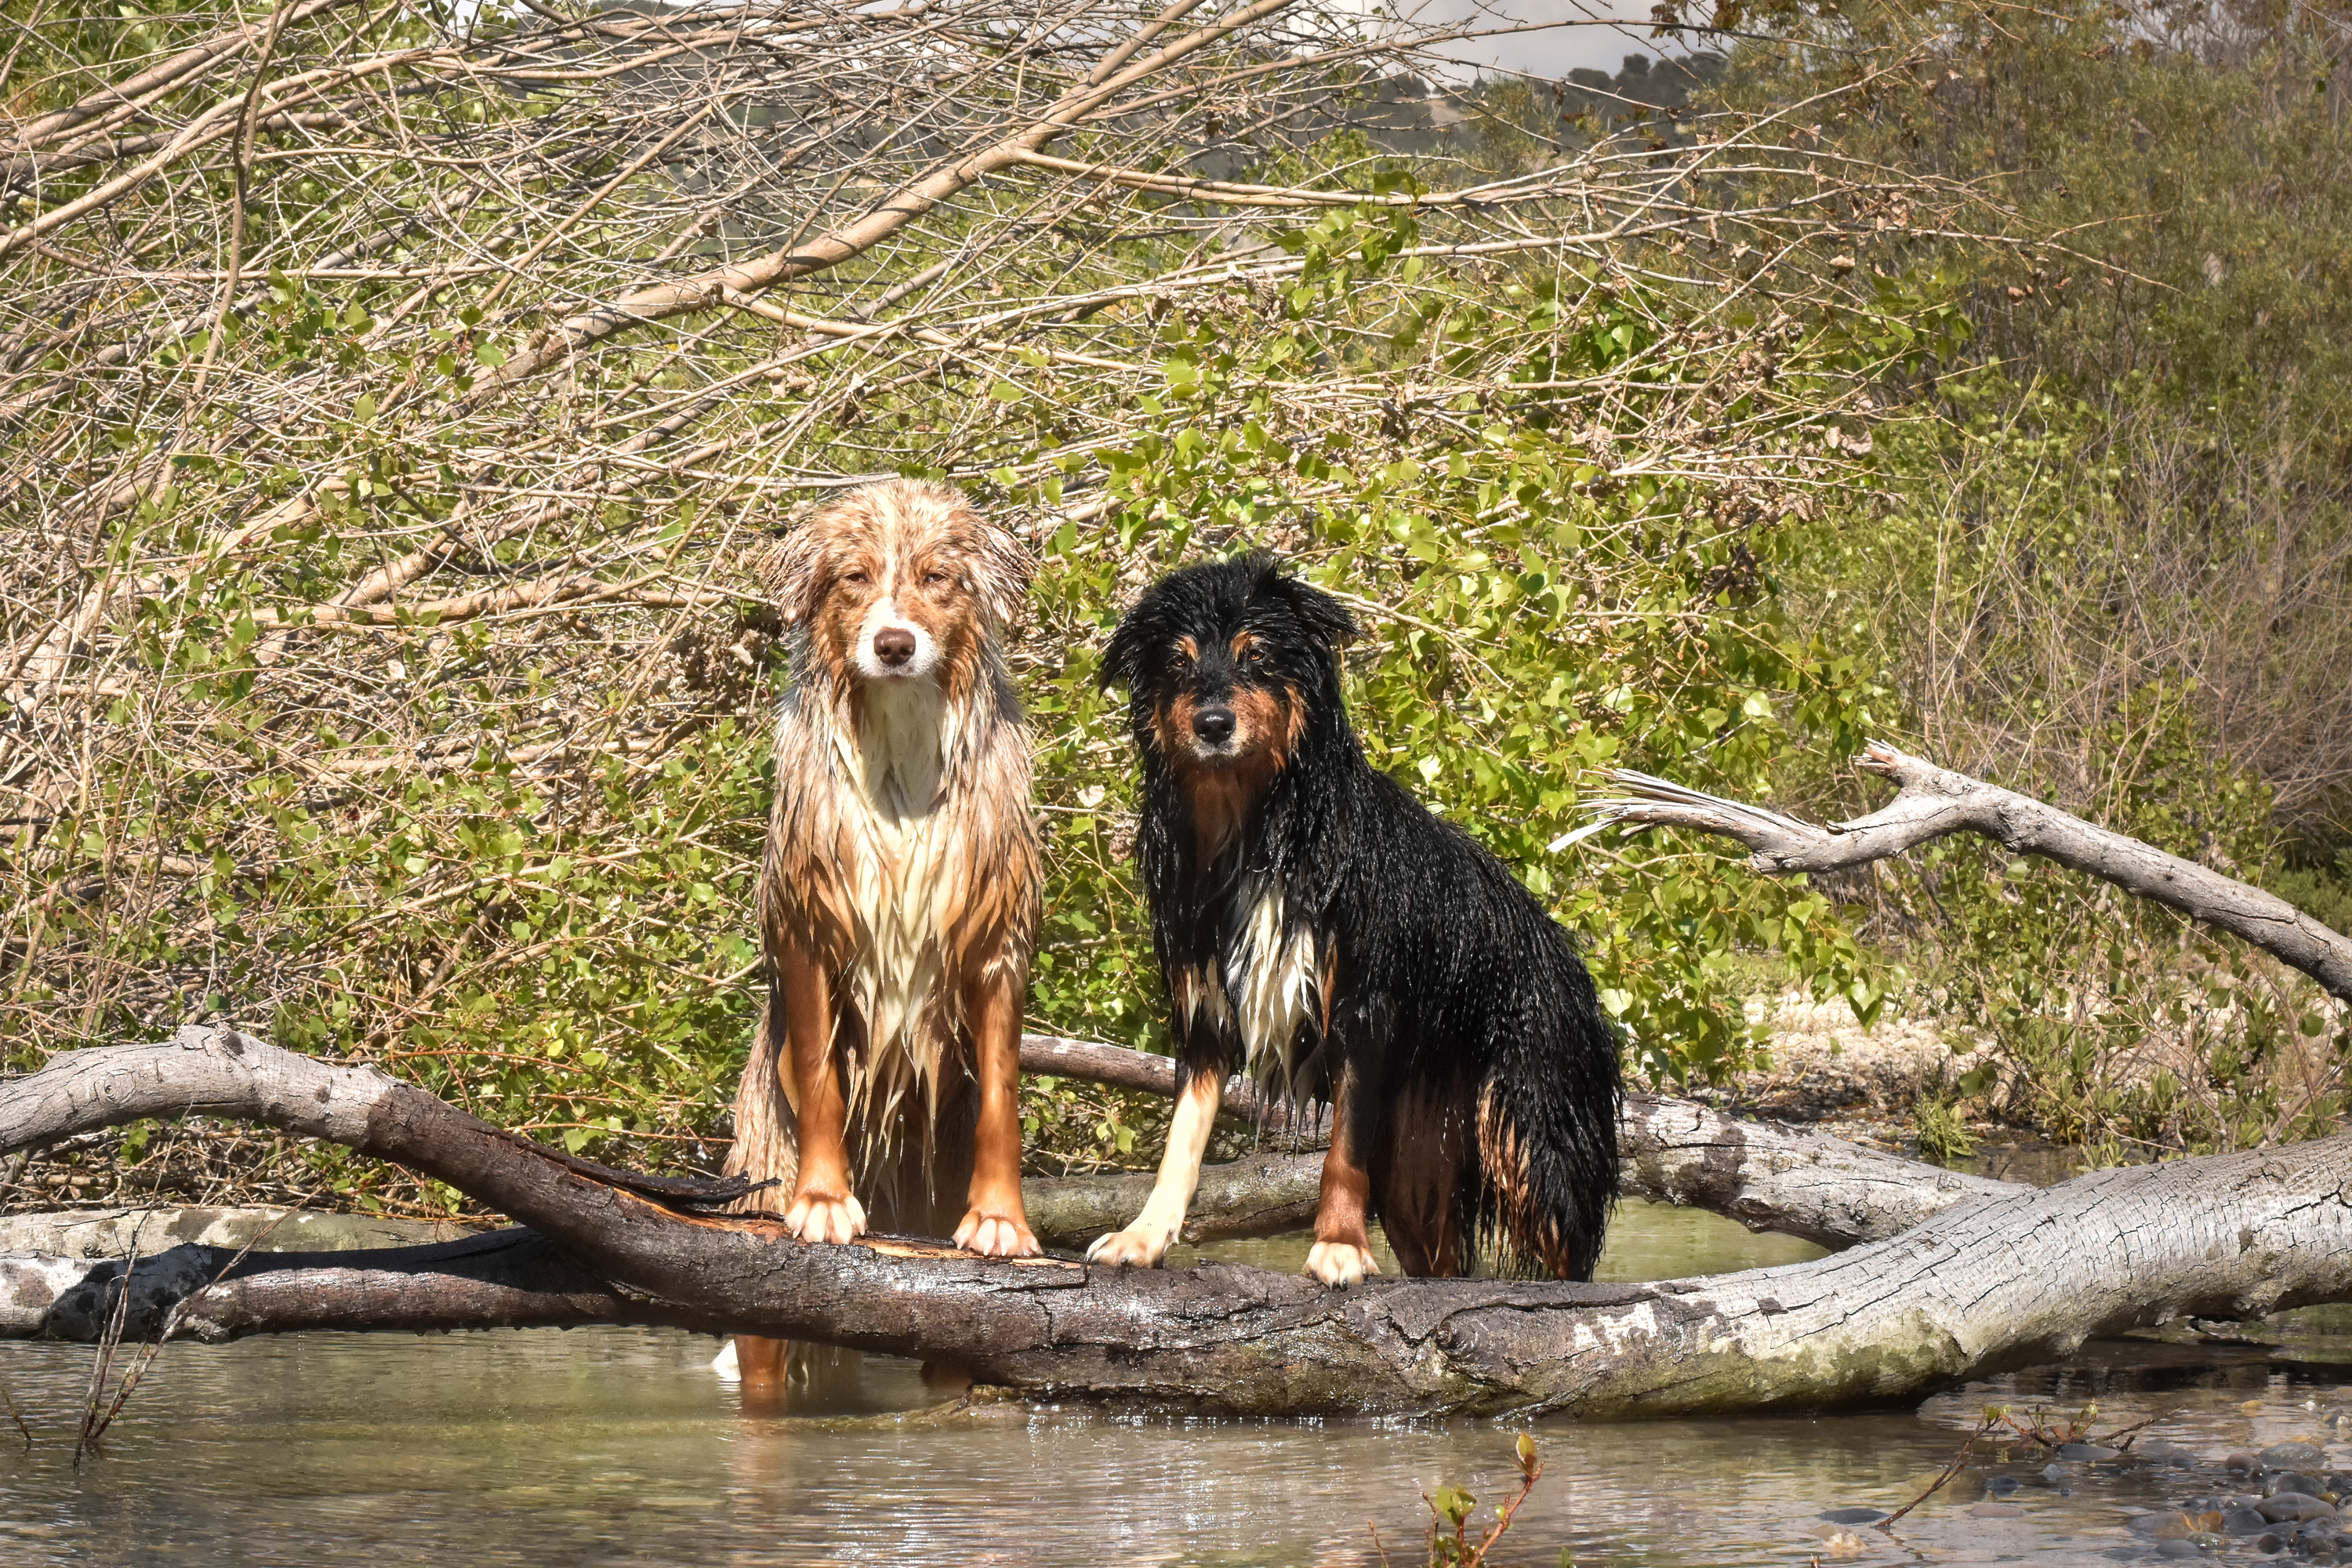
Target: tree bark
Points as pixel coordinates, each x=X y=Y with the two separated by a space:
x=1054 y=1057
x=1997 y=1279
x=1935 y=801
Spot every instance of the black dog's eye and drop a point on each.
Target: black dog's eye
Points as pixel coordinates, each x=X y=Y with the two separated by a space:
x=1179 y=661
x=1252 y=656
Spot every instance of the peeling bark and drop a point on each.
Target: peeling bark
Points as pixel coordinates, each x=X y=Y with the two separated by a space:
x=1934 y=801
x=1997 y=1279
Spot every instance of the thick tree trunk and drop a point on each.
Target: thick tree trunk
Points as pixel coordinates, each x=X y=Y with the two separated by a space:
x=1935 y=801
x=1998 y=1278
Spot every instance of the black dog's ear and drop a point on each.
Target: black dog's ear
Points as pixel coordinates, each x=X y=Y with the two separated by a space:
x=1325 y=617
x=1122 y=660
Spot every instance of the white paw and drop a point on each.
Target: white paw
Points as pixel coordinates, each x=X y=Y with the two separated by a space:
x=1137 y=1246
x=817 y=1218
x=996 y=1236
x=1340 y=1263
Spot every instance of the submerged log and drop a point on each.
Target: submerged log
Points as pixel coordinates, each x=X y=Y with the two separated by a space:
x=1997 y=1279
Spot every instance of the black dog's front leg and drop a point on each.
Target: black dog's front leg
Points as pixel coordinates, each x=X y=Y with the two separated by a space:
x=1147 y=1239
x=1342 y=1253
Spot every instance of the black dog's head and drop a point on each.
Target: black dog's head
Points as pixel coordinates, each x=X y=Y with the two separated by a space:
x=1227 y=665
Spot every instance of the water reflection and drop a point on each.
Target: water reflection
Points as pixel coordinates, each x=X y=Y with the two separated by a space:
x=615 y=1446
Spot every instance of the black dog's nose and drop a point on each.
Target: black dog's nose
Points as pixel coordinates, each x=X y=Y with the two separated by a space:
x=1215 y=725
x=893 y=646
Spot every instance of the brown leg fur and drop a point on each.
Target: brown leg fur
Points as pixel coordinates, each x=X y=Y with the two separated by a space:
x=1342 y=1253
x=824 y=1207
x=764 y=1148
x=995 y=1225
x=1418 y=1175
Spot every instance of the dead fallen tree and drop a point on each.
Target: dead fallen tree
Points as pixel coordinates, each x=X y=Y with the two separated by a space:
x=1998 y=1278
x=1934 y=801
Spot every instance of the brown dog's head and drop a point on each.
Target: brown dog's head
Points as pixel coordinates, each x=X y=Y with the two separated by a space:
x=901 y=581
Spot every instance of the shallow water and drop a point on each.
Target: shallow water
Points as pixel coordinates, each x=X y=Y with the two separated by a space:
x=620 y=1446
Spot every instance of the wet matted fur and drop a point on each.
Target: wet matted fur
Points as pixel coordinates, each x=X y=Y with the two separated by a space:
x=898 y=899
x=1317 y=926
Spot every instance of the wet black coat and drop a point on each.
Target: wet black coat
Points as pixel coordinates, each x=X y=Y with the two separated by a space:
x=1485 y=1078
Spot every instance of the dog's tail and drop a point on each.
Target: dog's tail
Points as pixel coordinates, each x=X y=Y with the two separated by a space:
x=1546 y=1121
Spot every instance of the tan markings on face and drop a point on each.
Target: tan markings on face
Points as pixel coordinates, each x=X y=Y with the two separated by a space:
x=933 y=588
x=1224 y=790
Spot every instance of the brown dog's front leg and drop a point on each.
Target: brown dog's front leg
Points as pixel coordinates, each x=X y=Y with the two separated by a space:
x=1342 y=1253
x=995 y=1225
x=823 y=1208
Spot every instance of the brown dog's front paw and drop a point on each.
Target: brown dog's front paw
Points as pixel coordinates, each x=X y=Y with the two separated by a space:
x=821 y=1216
x=997 y=1235
x=1340 y=1263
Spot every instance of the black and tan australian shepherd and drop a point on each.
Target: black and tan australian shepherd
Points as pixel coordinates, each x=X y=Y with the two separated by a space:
x=1317 y=926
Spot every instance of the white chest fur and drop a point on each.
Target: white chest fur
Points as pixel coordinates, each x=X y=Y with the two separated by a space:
x=1263 y=988
x=906 y=861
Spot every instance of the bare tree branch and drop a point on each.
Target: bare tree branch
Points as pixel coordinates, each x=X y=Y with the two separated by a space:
x=1934 y=801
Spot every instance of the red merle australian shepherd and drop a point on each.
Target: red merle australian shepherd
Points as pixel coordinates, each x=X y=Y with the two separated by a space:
x=898 y=899
x=1316 y=924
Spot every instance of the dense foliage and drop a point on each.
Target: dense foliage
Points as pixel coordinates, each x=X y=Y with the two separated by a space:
x=373 y=691
x=384 y=673
x=2112 y=564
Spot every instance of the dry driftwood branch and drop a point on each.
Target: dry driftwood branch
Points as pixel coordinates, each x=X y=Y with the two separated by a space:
x=1996 y=1281
x=1935 y=801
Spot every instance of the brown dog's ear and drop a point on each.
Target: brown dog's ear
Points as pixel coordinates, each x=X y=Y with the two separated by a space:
x=1004 y=569
x=788 y=569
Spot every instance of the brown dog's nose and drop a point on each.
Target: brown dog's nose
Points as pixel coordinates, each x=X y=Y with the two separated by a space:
x=893 y=646
x=1215 y=725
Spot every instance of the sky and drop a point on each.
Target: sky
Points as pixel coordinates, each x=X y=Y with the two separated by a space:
x=1604 y=32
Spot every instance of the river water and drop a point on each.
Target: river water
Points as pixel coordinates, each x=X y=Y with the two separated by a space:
x=620 y=1446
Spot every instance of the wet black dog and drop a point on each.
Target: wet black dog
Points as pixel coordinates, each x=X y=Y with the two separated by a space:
x=1316 y=923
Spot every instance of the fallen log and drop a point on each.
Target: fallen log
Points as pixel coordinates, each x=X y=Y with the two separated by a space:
x=1997 y=1279
x=1768 y=1176
x=1934 y=801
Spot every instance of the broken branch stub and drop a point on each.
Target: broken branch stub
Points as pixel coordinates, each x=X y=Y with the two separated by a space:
x=1934 y=801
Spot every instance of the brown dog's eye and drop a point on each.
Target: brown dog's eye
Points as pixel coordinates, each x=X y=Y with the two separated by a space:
x=933 y=579
x=857 y=577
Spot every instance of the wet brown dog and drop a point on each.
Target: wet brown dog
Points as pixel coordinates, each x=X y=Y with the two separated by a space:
x=898 y=901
